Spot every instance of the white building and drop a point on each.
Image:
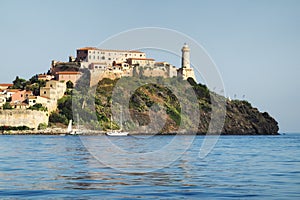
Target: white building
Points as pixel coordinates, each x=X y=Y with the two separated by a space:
x=186 y=71
x=54 y=90
x=88 y=55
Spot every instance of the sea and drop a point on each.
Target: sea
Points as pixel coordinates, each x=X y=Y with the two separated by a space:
x=89 y=167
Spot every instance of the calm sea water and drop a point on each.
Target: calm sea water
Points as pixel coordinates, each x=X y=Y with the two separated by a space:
x=239 y=167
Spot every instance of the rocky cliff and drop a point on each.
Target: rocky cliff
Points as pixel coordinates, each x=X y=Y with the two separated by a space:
x=239 y=116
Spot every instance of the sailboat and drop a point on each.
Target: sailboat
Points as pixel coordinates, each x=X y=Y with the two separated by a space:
x=70 y=129
x=117 y=132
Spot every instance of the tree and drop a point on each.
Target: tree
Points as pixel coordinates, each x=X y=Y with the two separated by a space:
x=7 y=106
x=42 y=126
x=19 y=83
x=56 y=117
x=38 y=106
x=65 y=106
x=70 y=84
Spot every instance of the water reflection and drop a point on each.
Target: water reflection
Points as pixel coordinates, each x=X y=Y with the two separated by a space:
x=235 y=169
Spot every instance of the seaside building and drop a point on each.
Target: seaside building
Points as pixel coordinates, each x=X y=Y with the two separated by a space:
x=51 y=105
x=2 y=100
x=45 y=77
x=66 y=76
x=54 y=90
x=4 y=86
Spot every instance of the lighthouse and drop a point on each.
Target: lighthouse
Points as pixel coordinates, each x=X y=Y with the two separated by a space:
x=185 y=56
x=186 y=71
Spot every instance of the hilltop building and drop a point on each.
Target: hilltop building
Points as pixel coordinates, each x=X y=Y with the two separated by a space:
x=104 y=63
x=88 y=55
x=186 y=71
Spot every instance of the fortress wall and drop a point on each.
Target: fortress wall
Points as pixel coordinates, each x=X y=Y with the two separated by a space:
x=98 y=75
x=29 y=118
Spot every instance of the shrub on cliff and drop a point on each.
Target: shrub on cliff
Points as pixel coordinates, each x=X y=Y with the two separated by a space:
x=56 y=117
x=38 y=107
x=7 y=106
x=42 y=126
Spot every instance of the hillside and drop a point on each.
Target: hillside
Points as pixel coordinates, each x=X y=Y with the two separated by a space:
x=240 y=118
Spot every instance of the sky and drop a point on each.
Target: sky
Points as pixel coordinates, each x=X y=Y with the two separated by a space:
x=255 y=44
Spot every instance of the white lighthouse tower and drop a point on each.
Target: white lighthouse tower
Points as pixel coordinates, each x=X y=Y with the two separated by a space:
x=185 y=56
x=186 y=71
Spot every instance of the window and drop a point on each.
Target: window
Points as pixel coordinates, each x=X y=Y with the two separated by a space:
x=33 y=101
x=103 y=58
x=89 y=57
x=45 y=92
x=141 y=55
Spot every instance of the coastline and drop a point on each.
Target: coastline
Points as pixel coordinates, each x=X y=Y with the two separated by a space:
x=61 y=131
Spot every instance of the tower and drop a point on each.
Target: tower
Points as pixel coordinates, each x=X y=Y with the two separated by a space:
x=185 y=56
x=186 y=71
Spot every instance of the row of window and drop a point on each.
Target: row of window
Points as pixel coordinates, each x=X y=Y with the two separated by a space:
x=109 y=54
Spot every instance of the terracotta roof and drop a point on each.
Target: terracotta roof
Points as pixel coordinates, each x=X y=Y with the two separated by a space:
x=111 y=50
x=6 y=84
x=13 y=90
x=88 y=48
x=43 y=75
x=141 y=59
x=32 y=97
x=68 y=72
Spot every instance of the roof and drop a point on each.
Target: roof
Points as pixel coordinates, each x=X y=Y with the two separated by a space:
x=6 y=84
x=68 y=72
x=111 y=50
x=43 y=75
x=141 y=59
x=32 y=97
x=13 y=90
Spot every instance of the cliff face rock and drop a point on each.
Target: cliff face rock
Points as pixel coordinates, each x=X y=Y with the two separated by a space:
x=241 y=118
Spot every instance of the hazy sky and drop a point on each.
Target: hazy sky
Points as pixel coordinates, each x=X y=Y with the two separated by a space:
x=255 y=44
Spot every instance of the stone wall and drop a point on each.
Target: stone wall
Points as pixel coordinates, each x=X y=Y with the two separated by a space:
x=29 y=118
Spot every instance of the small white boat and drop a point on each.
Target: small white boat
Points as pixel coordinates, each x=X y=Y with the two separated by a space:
x=117 y=132
x=71 y=131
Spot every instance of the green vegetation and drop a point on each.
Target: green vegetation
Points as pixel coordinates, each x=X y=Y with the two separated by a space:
x=38 y=107
x=42 y=126
x=34 y=84
x=19 y=83
x=70 y=85
x=14 y=128
x=64 y=113
x=96 y=109
x=7 y=106
x=56 y=117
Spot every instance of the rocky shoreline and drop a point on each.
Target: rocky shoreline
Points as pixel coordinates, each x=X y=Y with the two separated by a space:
x=60 y=131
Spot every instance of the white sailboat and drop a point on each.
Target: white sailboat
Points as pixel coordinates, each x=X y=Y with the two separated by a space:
x=117 y=132
x=70 y=129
